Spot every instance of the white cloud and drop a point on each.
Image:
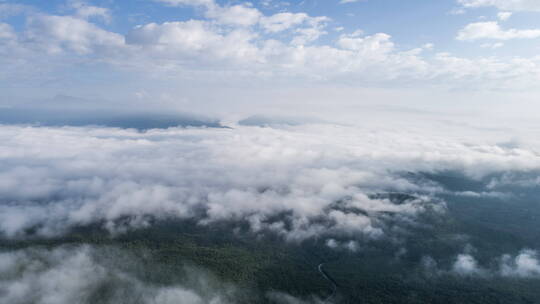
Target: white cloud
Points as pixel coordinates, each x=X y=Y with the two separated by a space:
x=352 y=246
x=237 y=41
x=504 y=15
x=7 y=32
x=77 y=275
x=492 y=30
x=56 y=34
x=196 y=43
x=518 y=72
x=246 y=15
x=465 y=264
x=179 y=42
x=86 y=11
x=194 y=39
x=428 y=46
x=283 y=21
x=241 y=15
x=307 y=35
x=506 y=5
x=377 y=44
x=524 y=265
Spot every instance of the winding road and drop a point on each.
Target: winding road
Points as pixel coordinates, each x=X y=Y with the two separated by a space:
x=329 y=279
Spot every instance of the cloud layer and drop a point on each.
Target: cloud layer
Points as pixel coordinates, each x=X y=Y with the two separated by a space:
x=298 y=181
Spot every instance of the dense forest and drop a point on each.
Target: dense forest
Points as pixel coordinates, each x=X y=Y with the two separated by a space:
x=379 y=271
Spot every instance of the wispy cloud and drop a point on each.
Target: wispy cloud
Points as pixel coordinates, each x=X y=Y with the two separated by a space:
x=78 y=274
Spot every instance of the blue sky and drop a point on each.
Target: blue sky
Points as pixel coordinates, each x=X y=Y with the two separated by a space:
x=409 y=22
x=170 y=52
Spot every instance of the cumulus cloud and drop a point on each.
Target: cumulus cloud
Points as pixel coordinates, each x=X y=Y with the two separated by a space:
x=239 y=14
x=238 y=41
x=194 y=38
x=466 y=264
x=57 y=34
x=492 y=30
x=523 y=265
x=81 y=274
x=242 y=15
x=235 y=42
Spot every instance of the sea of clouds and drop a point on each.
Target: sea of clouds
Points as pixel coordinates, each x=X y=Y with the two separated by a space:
x=297 y=181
